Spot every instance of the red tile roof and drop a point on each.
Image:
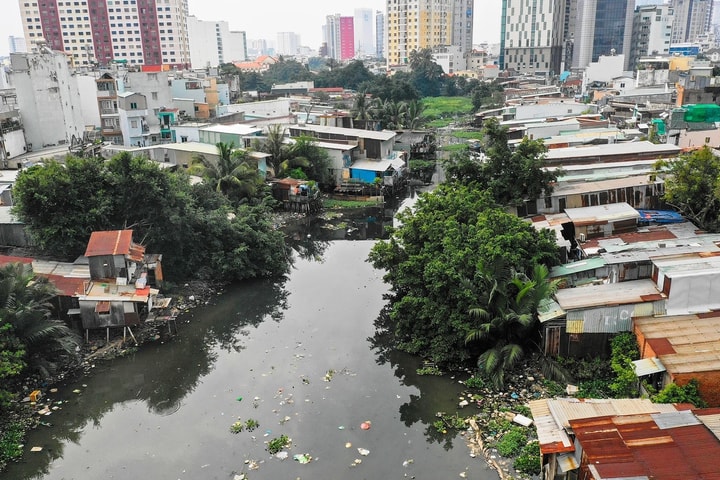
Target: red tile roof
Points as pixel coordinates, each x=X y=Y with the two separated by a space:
x=6 y=259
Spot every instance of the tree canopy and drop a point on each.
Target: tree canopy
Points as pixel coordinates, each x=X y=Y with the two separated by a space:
x=196 y=228
x=692 y=186
x=436 y=264
x=511 y=176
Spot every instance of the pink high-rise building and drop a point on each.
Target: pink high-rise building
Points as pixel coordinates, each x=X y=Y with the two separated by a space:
x=141 y=32
x=347 y=38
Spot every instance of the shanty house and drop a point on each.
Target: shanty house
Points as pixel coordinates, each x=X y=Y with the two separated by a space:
x=680 y=348
x=118 y=292
x=581 y=321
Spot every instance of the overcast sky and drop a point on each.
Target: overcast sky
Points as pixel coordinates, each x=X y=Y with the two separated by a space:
x=263 y=19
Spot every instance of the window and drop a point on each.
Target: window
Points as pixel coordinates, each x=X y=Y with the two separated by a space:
x=154 y=95
x=133 y=123
x=133 y=106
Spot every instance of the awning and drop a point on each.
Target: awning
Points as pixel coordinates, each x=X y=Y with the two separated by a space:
x=648 y=366
x=567 y=462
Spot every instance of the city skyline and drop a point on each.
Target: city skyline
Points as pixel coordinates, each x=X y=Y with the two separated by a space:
x=307 y=22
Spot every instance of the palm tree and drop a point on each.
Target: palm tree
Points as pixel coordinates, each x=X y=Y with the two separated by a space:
x=275 y=145
x=232 y=174
x=25 y=314
x=414 y=114
x=508 y=319
x=395 y=113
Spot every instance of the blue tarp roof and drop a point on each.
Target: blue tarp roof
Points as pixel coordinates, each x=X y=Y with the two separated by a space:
x=660 y=216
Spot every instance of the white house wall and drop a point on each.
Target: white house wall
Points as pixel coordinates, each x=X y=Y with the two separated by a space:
x=694 y=294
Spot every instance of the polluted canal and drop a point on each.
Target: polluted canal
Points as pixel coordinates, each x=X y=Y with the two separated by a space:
x=299 y=356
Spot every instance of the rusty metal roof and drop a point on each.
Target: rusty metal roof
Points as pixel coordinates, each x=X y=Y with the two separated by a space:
x=692 y=342
x=618 y=447
x=635 y=291
x=114 y=242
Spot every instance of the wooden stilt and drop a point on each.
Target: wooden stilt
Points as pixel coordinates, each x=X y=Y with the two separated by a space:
x=87 y=336
x=124 y=334
x=107 y=335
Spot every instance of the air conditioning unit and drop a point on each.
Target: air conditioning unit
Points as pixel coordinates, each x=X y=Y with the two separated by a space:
x=582 y=238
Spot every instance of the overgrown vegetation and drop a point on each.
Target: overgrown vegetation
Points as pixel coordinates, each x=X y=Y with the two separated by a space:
x=624 y=350
x=528 y=460
x=11 y=443
x=688 y=393
x=277 y=444
x=200 y=229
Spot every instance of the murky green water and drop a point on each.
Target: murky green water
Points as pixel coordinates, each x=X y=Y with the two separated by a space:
x=165 y=412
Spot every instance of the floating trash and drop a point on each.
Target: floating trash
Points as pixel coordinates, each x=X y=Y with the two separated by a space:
x=348 y=445
x=302 y=458
x=282 y=455
x=364 y=452
x=366 y=425
x=407 y=462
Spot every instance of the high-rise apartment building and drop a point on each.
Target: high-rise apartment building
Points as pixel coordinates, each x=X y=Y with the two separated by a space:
x=212 y=43
x=417 y=24
x=142 y=32
x=652 y=32
x=603 y=27
x=532 y=36
x=693 y=18
x=339 y=36
x=17 y=44
x=380 y=34
x=364 y=36
x=288 y=43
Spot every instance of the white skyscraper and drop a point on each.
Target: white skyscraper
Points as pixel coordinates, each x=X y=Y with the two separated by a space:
x=364 y=37
x=212 y=43
x=380 y=34
x=17 y=44
x=288 y=43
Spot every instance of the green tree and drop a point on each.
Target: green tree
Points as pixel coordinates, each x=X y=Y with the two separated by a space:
x=692 y=186
x=414 y=114
x=42 y=342
x=433 y=264
x=511 y=176
x=508 y=317
x=394 y=113
x=624 y=350
x=688 y=393
x=426 y=75
x=63 y=203
x=313 y=160
x=286 y=71
x=275 y=145
x=233 y=174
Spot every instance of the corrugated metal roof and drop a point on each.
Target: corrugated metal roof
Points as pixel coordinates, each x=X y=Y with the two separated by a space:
x=350 y=132
x=648 y=366
x=566 y=409
x=111 y=242
x=580 y=187
x=710 y=420
x=372 y=165
x=549 y=309
x=612 y=212
x=693 y=341
x=682 y=418
x=576 y=267
x=559 y=154
x=551 y=436
x=621 y=447
x=567 y=462
x=636 y=291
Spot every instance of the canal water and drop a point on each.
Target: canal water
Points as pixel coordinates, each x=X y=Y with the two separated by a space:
x=298 y=355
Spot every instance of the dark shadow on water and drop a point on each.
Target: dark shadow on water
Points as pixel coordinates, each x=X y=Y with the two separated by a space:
x=161 y=374
x=437 y=393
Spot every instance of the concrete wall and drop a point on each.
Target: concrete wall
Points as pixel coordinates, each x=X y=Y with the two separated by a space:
x=14 y=143
x=47 y=96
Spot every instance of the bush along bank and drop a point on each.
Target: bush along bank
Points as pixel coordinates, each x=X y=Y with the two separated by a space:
x=31 y=402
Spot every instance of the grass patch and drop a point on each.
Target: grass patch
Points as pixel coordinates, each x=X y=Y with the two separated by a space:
x=444 y=106
x=331 y=203
x=455 y=147
x=440 y=122
x=528 y=462
x=277 y=444
x=469 y=135
x=512 y=442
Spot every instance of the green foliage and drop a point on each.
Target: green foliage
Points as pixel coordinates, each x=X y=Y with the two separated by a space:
x=475 y=382
x=422 y=169
x=196 y=228
x=251 y=425
x=528 y=461
x=512 y=441
x=692 y=186
x=277 y=444
x=434 y=263
x=28 y=335
x=511 y=176
x=688 y=393
x=11 y=443
x=232 y=174
x=469 y=135
x=624 y=350
x=237 y=427
x=448 y=422
x=439 y=107
x=430 y=370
